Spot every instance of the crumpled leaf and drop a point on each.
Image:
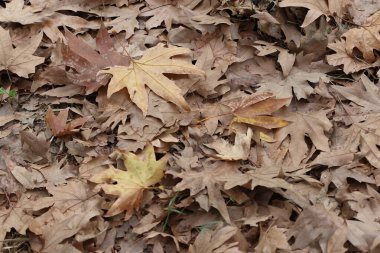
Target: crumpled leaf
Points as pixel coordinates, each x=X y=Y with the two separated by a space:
x=256 y=108
x=210 y=177
x=311 y=123
x=142 y=172
x=238 y=151
x=316 y=8
x=16 y=12
x=87 y=61
x=213 y=241
x=19 y=60
x=272 y=239
x=350 y=64
x=149 y=71
x=365 y=38
x=58 y=124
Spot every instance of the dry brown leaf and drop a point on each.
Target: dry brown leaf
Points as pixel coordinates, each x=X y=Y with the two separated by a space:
x=19 y=60
x=272 y=239
x=15 y=11
x=213 y=241
x=365 y=38
x=209 y=177
x=87 y=61
x=149 y=71
x=58 y=124
x=316 y=9
x=350 y=64
x=309 y=123
x=285 y=59
x=315 y=224
x=296 y=81
x=239 y=151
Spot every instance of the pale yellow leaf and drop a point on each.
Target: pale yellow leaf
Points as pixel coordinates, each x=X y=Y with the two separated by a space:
x=142 y=172
x=149 y=71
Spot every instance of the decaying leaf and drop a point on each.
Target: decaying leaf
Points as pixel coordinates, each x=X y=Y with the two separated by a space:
x=365 y=38
x=149 y=71
x=87 y=61
x=19 y=60
x=58 y=124
x=256 y=108
x=142 y=172
x=213 y=241
x=238 y=151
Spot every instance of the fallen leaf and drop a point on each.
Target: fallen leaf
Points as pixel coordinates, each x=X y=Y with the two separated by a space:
x=87 y=61
x=58 y=124
x=256 y=108
x=350 y=64
x=239 y=151
x=316 y=9
x=19 y=60
x=213 y=241
x=142 y=172
x=15 y=11
x=365 y=38
x=285 y=59
x=210 y=178
x=149 y=71
x=272 y=239
x=311 y=123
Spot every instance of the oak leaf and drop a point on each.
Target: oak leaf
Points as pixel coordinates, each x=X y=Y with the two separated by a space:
x=19 y=60
x=149 y=71
x=142 y=172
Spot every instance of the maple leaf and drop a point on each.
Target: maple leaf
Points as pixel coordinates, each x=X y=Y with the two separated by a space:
x=272 y=239
x=216 y=240
x=315 y=223
x=285 y=59
x=19 y=60
x=142 y=172
x=296 y=81
x=365 y=38
x=15 y=11
x=256 y=108
x=316 y=8
x=305 y=123
x=149 y=71
x=350 y=64
x=208 y=177
x=58 y=124
x=87 y=61
x=238 y=151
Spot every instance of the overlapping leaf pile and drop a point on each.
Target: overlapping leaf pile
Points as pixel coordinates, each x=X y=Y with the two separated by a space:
x=189 y=126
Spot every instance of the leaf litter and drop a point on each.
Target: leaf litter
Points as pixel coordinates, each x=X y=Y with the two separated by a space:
x=189 y=126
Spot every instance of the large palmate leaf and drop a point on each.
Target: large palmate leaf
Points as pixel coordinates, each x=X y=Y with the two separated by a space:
x=149 y=71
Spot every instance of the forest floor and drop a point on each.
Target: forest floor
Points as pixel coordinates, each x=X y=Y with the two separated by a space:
x=200 y=126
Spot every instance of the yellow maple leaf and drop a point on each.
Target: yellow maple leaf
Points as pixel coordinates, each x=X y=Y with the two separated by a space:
x=142 y=172
x=149 y=71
